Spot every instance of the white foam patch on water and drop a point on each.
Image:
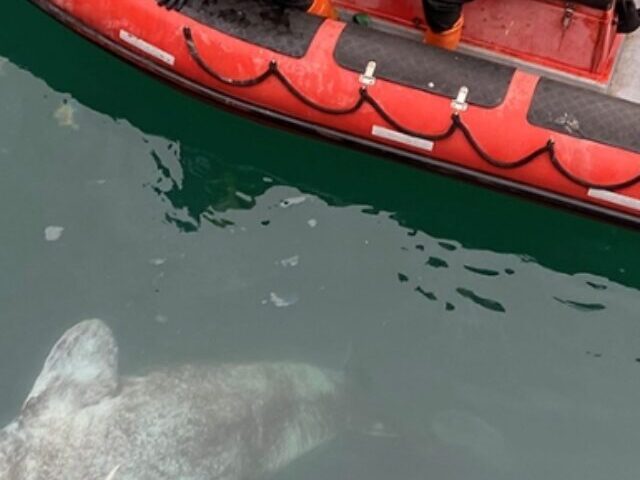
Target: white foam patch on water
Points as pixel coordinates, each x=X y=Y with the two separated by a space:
x=312 y=222
x=291 y=261
x=157 y=261
x=282 y=301
x=65 y=116
x=53 y=233
x=291 y=201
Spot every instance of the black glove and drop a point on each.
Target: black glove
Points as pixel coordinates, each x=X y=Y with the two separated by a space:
x=172 y=4
x=628 y=16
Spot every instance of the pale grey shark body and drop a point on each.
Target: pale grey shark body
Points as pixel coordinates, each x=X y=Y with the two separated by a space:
x=82 y=421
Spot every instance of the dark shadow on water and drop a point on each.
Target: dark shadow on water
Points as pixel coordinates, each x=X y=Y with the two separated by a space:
x=487 y=303
x=206 y=189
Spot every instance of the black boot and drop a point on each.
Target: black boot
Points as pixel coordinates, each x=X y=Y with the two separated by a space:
x=628 y=16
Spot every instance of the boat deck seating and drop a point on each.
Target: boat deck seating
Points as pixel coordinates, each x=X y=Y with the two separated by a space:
x=411 y=63
x=586 y=114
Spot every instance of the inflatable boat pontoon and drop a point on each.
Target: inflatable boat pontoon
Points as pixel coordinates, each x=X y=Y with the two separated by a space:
x=535 y=101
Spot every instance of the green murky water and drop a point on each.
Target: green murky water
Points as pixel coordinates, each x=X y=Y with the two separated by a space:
x=502 y=337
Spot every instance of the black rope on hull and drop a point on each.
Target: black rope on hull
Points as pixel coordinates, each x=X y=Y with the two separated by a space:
x=365 y=98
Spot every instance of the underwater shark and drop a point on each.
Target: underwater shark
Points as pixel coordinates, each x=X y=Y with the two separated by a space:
x=83 y=421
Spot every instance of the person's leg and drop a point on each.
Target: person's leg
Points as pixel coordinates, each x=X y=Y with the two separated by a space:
x=628 y=16
x=444 y=22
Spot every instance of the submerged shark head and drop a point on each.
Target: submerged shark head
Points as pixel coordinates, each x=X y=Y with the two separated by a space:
x=83 y=421
x=81 y=370
x=11 y=450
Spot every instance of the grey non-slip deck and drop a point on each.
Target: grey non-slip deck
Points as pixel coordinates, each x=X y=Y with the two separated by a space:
x=586 y=114
x=414 y=64
x=262 y=22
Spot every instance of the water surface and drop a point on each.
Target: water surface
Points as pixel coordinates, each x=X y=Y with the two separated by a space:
x=501 y=336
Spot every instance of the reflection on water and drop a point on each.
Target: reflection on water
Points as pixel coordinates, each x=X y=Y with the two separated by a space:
x=200 y=187
x=210 y=240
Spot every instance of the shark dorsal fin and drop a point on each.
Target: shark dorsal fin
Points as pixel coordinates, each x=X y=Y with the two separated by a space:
x=81 y=369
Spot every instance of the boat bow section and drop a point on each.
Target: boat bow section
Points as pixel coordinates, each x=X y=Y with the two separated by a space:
x=444 y=110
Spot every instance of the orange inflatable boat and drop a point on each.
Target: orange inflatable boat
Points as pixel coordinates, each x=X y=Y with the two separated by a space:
x=540 y=119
